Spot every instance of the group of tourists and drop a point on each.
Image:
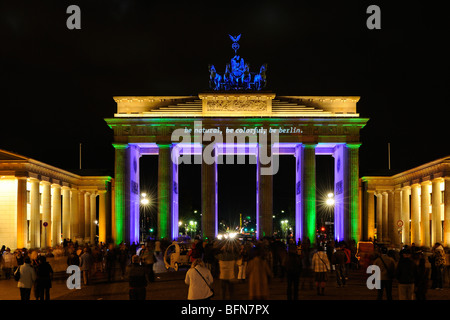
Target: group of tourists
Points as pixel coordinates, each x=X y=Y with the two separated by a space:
x=257 y=262
x=410 y=270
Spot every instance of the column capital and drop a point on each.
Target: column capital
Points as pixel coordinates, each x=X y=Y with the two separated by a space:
x=164 y=145
x=353 y=145
x=32 y=179
x=120 y=146
x=44 y=182
x=438 y=180
x=425 y=183
x=406 y=188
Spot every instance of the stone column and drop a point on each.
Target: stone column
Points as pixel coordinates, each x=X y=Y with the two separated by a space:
x=309 y=191
x=81 y=209
x=354 y=219
x=370 y=214
x=87 y=216
x=46 y=214
x=93 y=215
x=120 y=187
x=385 y=212
x=397 y=236
x=56 y=215
x=209 y=197
x=74 y=215
x=436 y=226
x=102 y=216
x=299 y=216
x=164 y=191
x=66 y=212
x=405 y=215
x=447 y=211
x=425 y=214
x=22 y=212
x=264 y=177
x=35 y=235
x=392 y=221
x=379 y=217
x=415 y=214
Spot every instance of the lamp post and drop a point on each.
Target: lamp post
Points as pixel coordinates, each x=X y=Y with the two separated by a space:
x=145 y=204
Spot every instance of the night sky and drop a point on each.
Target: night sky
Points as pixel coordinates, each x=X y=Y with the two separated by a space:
x=58 y=84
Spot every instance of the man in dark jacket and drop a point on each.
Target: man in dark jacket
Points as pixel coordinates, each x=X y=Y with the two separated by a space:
x=387 y=273
x=406 y=274
x=293 y=268
x=44 y=275
x=137 y=280
x=339 y=259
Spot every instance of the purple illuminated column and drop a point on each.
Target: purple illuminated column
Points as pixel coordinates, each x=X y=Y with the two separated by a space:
x=175 y=208
x=299 y=219
x=209 y=198
x=132 y=195
x=126 y=193
x=340 y=186
x=264 y=191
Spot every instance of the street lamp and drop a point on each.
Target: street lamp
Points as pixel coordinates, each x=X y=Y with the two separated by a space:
x=330 y=199
x=145 y=204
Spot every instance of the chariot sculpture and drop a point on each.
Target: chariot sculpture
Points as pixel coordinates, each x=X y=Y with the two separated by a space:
x=237 y=75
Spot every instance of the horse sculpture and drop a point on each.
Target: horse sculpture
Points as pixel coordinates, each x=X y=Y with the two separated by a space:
x=260 y=78
x=214 y=78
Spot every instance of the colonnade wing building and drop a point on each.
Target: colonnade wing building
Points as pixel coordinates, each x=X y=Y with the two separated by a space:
x=409 y=207
x=40 y=205
x=265 y=125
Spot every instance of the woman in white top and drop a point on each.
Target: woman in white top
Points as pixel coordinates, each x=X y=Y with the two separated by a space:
x=199 y=279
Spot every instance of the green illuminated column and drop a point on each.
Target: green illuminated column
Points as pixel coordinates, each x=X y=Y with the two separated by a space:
x=164 y=191
x=309 y=191
x=354 y=219
x=120 y=187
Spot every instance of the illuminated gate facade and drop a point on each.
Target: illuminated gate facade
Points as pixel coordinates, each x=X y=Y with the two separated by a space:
x=252 y=123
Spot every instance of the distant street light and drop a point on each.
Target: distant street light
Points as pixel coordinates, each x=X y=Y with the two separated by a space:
x=330 y=199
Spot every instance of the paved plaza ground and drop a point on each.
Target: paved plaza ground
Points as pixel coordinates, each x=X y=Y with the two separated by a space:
x=169 y=285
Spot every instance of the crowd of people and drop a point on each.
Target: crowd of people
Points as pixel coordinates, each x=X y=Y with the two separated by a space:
x=258 y=262
x=229 y=261
x=409 y=268
x=31 y=269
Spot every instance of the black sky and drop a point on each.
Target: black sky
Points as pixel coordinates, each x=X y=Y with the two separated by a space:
x=58 y=84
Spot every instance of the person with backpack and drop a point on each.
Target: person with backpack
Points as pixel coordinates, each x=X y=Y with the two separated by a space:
x=321 y=266
x=387 y=273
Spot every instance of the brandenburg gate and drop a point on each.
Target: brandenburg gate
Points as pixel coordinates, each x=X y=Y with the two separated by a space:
x=307 y=126
x=236 y=117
